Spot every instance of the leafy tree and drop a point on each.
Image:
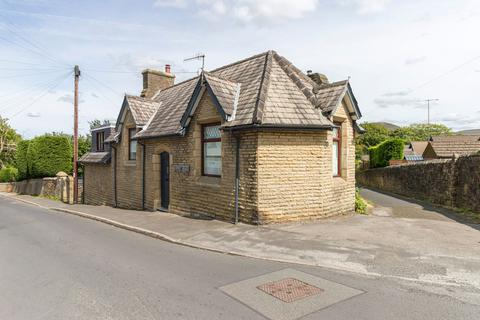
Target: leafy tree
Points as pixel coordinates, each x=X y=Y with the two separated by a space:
x=374 y=135
x=421 y=132
x=98 y=123
x=9 y=139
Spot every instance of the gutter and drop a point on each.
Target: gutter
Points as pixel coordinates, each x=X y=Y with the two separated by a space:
x=83 y=184
x=279 y=127
x=144 y=157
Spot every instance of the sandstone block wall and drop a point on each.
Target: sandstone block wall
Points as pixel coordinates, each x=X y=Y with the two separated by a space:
x=98 y=185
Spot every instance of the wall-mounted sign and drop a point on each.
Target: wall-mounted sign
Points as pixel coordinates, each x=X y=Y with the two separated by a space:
x=182 y=168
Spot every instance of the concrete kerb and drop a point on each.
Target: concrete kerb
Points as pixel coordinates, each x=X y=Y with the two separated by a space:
x=164 y=237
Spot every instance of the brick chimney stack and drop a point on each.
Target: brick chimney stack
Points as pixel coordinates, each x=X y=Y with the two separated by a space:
x=155 y=80
x=318 y=78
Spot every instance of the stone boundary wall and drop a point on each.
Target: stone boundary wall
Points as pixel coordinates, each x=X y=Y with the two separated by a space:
x=59 y=187
x=6 y=187
x=453 y=182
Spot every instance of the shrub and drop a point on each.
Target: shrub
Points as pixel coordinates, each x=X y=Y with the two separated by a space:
x=21 y=160
x=391 y=149
x=8 y=174
x=360 y=204
x=49 y=154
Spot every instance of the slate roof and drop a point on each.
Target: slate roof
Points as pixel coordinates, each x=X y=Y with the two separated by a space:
x=96 y=157
x=446 y=146
x=330 y=93
x=227 y=92
x=142 y=109
x=263 y=90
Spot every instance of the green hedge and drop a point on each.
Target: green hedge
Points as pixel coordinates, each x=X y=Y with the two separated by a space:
x=8 y=174
x=21 y=160
x=391 y=149
x=49 y=154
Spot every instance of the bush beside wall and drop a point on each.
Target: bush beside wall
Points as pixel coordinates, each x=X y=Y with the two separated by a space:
x=8 y=174
x=49 y=154
x=21 y=160
x=381 y=154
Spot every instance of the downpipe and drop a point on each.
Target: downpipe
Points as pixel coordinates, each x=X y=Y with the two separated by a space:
x=237 y=176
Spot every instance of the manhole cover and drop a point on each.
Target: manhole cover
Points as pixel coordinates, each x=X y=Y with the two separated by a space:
x=289 y=289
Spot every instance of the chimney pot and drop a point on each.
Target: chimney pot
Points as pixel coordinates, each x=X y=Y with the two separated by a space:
x=154 y=80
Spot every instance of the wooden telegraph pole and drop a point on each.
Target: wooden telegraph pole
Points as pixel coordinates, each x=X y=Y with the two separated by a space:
x=76 y=72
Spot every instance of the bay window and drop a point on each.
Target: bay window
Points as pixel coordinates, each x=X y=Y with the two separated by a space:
x=211 y=150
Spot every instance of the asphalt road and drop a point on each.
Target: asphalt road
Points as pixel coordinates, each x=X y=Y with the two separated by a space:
x=58 y=266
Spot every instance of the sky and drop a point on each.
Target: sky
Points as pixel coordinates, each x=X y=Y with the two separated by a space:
x=397 y=53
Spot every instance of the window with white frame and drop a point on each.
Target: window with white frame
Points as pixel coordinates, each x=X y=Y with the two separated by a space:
x=132 y=144
x=211 y=150
x=337 y=150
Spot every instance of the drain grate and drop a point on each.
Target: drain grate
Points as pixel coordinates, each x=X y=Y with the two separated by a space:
x=289 y=289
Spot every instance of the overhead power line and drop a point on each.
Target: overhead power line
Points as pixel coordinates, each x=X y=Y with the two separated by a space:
x=24 y=108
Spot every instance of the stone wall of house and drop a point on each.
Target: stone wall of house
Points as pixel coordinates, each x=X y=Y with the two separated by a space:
x=98 y=182
x=295 y=178
x=192 y=193
x=128 y=172
x=453 y=183
x=284 y=175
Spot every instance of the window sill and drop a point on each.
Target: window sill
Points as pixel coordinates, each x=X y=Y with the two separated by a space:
x=130 y=163
x=209 y=181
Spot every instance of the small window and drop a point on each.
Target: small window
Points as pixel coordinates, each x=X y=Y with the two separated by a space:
x=337 y=151
x=132 y=145
x=100 y=141
x=212 y=150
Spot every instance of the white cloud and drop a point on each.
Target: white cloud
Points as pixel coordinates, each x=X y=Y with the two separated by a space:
x=397 y=101
x=366 y=6
x=415 y=60
x=170 y=3
x=34 y=115
x=68 y=97
x=246 y=11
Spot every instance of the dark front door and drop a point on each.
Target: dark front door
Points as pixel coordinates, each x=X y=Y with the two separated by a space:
x=165 y=179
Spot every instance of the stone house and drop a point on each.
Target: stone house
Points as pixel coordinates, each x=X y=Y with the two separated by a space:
x=256 y=141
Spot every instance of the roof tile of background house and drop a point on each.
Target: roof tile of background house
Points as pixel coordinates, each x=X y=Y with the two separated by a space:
x=446 y=146
x=273 y=93
x=419 y=146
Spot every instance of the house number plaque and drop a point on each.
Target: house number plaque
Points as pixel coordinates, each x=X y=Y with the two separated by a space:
x=182 y=168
